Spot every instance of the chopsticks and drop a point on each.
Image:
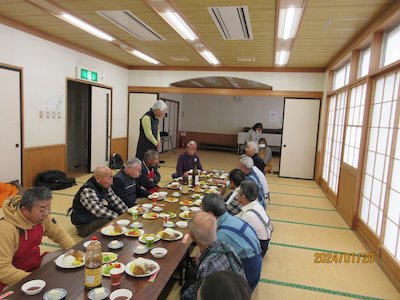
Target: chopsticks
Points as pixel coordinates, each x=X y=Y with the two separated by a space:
x=6 y=294
x=153 y=277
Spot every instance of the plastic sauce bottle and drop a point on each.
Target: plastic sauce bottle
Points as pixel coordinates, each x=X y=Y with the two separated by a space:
x=93 y=260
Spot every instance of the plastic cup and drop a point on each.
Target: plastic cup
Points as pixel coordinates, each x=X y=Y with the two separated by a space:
x=166 y=219
x=150 y=242
x=185 y=189
x=154 y=198
x=116 y=276
x=135 y=215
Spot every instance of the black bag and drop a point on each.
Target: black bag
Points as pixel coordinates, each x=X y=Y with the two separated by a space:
x=54 y=180
x=116 y=161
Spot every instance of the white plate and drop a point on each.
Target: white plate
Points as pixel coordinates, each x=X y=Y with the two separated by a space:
x=113 y=263
x=147 y=205
x=170 y=224
x=128 y=268
x=183 y=215
x=142 y=240
x=109 y=231
x=185 y=208
x=92 y=296
x=149 y=217
x=169 y=214
x=180 y=235
x=171 y=199
x=198 y=202
x=114 y=257
x=141 y=231
x=186 y=203
x=62 y=294
x=144 y=210
x=59 y=263
x=196 y=196
x=123 y=222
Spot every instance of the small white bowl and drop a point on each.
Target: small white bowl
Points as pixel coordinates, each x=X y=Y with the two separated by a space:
x=176 y=194
x=136 y=225
x=163 y=194
x=121 y=292
x=115 y=244
x=157 y=208
x=184 y=208
x=169 y=224
x=195 y=209
x=147 y=205
x=159 y=252
x=33 y=287
x=123 y=222
x=182 y=224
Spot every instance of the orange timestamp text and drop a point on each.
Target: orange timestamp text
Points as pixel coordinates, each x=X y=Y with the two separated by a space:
x=347 y=258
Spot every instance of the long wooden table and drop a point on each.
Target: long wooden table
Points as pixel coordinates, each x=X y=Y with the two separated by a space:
x=73 y=279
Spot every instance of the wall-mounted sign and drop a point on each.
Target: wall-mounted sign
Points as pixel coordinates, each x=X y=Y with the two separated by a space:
x=88 y=75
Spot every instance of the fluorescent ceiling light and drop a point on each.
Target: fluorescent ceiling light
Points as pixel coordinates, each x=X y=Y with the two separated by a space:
x=143 y=56
x=179 y=25
x=208 y=56
x=282 y=57
x=86 y=27
x=289 y=19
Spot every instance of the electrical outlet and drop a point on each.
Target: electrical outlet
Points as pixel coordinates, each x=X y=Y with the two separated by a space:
x=41 y=114
x=47 y=115
x=53 y=114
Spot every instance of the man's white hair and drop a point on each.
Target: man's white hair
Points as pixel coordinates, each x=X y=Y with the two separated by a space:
x=161 y=105
x=247 y=162
x=253 y=146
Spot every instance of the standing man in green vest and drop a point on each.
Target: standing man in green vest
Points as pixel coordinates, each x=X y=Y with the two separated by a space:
x=149 y=135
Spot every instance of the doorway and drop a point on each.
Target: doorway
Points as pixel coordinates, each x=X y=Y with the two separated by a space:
x=88 y=127
x=10 y=124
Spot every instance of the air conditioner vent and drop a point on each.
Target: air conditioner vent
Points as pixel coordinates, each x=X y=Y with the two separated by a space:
x=233 y=22
x=176 y=58
x=246 y=58
x=132 y=24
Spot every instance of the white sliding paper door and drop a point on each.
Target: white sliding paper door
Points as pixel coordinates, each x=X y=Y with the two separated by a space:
x=299 y=138
x=10 y=125
x=100 y=130
x=139 y=104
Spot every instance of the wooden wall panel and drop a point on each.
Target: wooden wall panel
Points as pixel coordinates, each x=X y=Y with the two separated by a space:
x=318 y=167
x=39 y=159
x=120 y=145
x=212 y=138
x=390 y=267
x=346 y=205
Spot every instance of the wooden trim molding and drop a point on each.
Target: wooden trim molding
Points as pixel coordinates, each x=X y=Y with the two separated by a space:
x=39 y=159
x=370 y=239
x=226 y=92
x=230 y=69
x=318 y=167
x=390 y=267
x=219 y=139
x=120 y=145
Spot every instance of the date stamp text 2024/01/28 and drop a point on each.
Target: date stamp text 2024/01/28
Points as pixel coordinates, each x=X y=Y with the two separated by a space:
x=347 y=258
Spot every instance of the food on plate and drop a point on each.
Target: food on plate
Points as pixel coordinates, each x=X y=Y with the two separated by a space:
x=73 y=258
x=169 y=234
x=186 y=214
x=151 y=215
x=134 y=232
x=209 y=191
x=186 y=202
x=139 y=209
x=197 y=189
x=54 y=294
x=196 y=196
x=198 y=202
x=168 y=214
x=141 y=266
x=154 y=196
x=171 y=199
x=108 y=257
x=108 y=267
x=99 y=293
x=118 y=228
x=174 y=185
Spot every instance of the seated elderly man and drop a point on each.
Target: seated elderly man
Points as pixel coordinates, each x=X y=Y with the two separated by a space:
x=237 y=233
x=125 y=185
x=150 y=176
x=26 y=220
x=185 y=161
x=251 y=150
x=236 y=176
x=215 y=256
x=254 y=214
x=95 y=204
x=249 y=170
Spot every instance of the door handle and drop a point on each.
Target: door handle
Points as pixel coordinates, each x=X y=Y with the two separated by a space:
x=284 y=146
x=16 y=145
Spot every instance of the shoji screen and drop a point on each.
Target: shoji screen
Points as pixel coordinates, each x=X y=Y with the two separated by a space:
x=378 y=169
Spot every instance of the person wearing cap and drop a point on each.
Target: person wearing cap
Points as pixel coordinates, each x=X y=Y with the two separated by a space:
x=149 y=134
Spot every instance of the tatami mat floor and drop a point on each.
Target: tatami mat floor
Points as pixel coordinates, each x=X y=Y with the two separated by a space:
x=305 y=223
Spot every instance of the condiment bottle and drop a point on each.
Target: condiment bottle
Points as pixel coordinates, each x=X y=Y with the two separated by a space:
x=93 y=261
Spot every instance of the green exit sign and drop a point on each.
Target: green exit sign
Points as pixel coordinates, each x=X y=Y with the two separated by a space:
x=88 y=75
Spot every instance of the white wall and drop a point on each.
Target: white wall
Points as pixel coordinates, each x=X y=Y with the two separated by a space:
x=46 y=66
x=177 y=98
x=281 y=81
x=221 y=114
